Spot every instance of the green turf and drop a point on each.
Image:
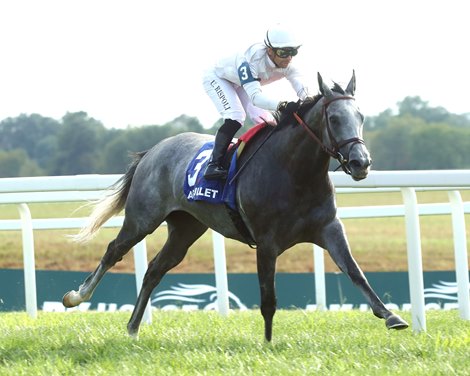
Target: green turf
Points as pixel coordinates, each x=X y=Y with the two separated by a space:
x=204 y=343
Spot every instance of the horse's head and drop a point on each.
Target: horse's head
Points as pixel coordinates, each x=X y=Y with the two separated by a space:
x=343 y=122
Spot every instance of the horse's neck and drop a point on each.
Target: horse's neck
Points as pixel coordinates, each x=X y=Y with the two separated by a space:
x=300 y=154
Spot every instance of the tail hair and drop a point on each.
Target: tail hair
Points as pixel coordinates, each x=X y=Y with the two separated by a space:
x=111 y=204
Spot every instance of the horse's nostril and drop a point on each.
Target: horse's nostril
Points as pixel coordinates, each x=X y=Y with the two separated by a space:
x=356 y=164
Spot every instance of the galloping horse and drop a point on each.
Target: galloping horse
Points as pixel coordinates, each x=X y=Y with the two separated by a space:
x=284 y=197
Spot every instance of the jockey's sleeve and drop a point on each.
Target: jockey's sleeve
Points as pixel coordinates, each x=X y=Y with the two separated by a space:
x=297 y=82
x=258 y=98
x=252 y=87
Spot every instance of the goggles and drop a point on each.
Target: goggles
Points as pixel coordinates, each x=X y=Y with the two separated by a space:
x=285 y=52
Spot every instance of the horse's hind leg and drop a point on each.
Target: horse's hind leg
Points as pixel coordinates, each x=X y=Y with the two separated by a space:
x=183 y=231
x=128 y=236
x=335 y=242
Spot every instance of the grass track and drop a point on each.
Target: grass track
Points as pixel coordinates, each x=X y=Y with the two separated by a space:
x=204 y=343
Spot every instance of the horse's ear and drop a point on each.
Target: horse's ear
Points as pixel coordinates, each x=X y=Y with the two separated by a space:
x=324 y=89
x=351 y=89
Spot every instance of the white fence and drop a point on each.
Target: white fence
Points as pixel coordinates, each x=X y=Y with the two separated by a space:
x=21 y=191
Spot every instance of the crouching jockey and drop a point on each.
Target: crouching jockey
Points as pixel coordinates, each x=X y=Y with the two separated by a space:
x=234 y=86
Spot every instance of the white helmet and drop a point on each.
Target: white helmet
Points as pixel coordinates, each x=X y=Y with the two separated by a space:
x=280 y=37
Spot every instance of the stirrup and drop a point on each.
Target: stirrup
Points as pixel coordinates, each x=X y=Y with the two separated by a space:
x=215 y=172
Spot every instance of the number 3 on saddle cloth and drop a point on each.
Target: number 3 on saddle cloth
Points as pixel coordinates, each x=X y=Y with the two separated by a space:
x=196 y=188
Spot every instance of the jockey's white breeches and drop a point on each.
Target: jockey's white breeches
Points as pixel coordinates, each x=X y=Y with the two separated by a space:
x=231 y=100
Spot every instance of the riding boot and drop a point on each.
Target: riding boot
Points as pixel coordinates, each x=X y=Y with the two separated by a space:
x=215 y=169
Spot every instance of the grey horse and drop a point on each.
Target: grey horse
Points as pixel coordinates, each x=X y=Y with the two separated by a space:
x=284 y=197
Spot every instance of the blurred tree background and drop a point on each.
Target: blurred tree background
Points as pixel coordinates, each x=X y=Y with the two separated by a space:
x=414 y=137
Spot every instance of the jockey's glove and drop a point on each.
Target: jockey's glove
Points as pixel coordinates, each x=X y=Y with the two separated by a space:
x=288 y=107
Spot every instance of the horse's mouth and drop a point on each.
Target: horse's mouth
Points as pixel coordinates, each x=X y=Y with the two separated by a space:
x=359 y=172
x=359 y=162
x=359 y=177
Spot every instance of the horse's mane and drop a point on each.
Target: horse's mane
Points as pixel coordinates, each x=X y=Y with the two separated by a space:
x=304 y=106
x=282 y=119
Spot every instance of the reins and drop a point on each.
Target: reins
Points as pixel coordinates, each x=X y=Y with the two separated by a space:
x=333 y=151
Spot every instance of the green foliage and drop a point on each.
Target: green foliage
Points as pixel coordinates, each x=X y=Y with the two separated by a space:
x=78 y=144
x=205 y=343
x=34 y=135
x=419 y=137
x=415 y=107
x=17 y=163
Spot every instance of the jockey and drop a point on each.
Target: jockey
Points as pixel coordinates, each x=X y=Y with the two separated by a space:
x=234 y=86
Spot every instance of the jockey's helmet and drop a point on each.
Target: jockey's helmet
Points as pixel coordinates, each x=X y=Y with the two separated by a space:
x=279 y=36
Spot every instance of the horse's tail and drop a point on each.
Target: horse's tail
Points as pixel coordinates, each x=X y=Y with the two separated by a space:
x=111 y=204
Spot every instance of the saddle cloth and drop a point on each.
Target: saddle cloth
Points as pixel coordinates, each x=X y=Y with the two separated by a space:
x=196 y=188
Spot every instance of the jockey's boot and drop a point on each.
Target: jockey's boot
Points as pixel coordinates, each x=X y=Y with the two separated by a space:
x=215 y=169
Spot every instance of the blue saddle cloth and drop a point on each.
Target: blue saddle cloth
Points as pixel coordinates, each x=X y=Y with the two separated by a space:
x=196 y=188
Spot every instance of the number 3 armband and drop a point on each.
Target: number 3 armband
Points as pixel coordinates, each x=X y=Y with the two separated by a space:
x=244 y=74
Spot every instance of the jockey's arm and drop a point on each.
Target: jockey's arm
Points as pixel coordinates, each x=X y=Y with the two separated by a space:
x=258 y=98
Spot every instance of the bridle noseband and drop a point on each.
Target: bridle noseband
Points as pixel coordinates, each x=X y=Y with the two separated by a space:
x=334 y=151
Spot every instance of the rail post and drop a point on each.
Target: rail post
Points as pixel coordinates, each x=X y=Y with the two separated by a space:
x=460 y=251
x=28 y=260
x=320 y=285
x=220 y=266
x=415 y=267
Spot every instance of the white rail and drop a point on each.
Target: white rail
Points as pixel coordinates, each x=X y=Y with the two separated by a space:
x=21 y=191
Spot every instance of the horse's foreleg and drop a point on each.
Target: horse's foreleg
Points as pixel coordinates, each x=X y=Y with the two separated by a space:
x=266 y=263
x=335 y=241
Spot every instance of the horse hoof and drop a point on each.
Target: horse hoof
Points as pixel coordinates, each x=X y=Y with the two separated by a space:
x=133 y=332
x=396 y=322
x=71 y=299
x=134 y=335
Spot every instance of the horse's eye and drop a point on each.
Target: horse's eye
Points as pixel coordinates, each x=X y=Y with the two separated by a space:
x=334 y=120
